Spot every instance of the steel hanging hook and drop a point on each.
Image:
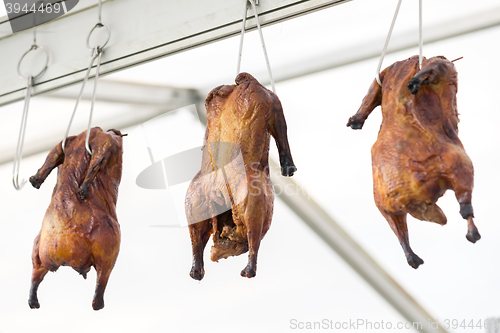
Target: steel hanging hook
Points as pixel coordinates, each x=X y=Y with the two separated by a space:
x=377 y=77
x=24 y=119
x=99 y=54
x=96 y=53
x=20 y=140
x=420 y=40
x=253 y=3
x=242 y=36
x=85 y=79
x=420 y=36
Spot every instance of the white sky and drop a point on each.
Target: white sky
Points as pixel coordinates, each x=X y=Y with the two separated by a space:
x=298 y=276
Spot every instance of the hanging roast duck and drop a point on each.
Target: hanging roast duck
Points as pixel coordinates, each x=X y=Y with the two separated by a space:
x=80 y=228
x=232 y=197
x=418 y=156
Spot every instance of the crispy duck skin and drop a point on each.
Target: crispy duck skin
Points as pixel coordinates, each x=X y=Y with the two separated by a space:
x=418 y=156
x=237 y=192
x=80 y=228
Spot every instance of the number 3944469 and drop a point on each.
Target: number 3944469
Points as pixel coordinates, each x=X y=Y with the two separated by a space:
x=42 y=8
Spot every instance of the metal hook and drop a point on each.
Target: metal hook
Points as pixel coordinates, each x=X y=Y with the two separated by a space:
x=420 y=40
x=99 y=53
x=96 y=53
x=377 y=77
x=420 y=35
x=99 y=25
x=33 y=48
x=242 y=36
x=20 y=141
x=263 y=44
x=24 y=119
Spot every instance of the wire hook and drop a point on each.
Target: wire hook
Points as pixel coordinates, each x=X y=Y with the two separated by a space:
x=96 y=53
x=93 y=58
x=420 y=36
x=420 y=39
x=24 y=119
x=99 y=54
x=387 y=42
x=20 y=140
x=263 y=44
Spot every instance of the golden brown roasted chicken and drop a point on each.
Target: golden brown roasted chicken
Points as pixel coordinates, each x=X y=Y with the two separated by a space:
x=232 y=196
x=418 y=155
x=80 y=228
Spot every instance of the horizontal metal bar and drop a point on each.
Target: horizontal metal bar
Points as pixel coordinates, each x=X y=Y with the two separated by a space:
x=141 y=32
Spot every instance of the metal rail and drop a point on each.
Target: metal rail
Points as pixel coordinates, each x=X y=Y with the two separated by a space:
x=136 y=41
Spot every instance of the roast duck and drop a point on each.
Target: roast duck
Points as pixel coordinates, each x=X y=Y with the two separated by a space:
x=418 y=155
x=80 y=228
x=232 y=196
